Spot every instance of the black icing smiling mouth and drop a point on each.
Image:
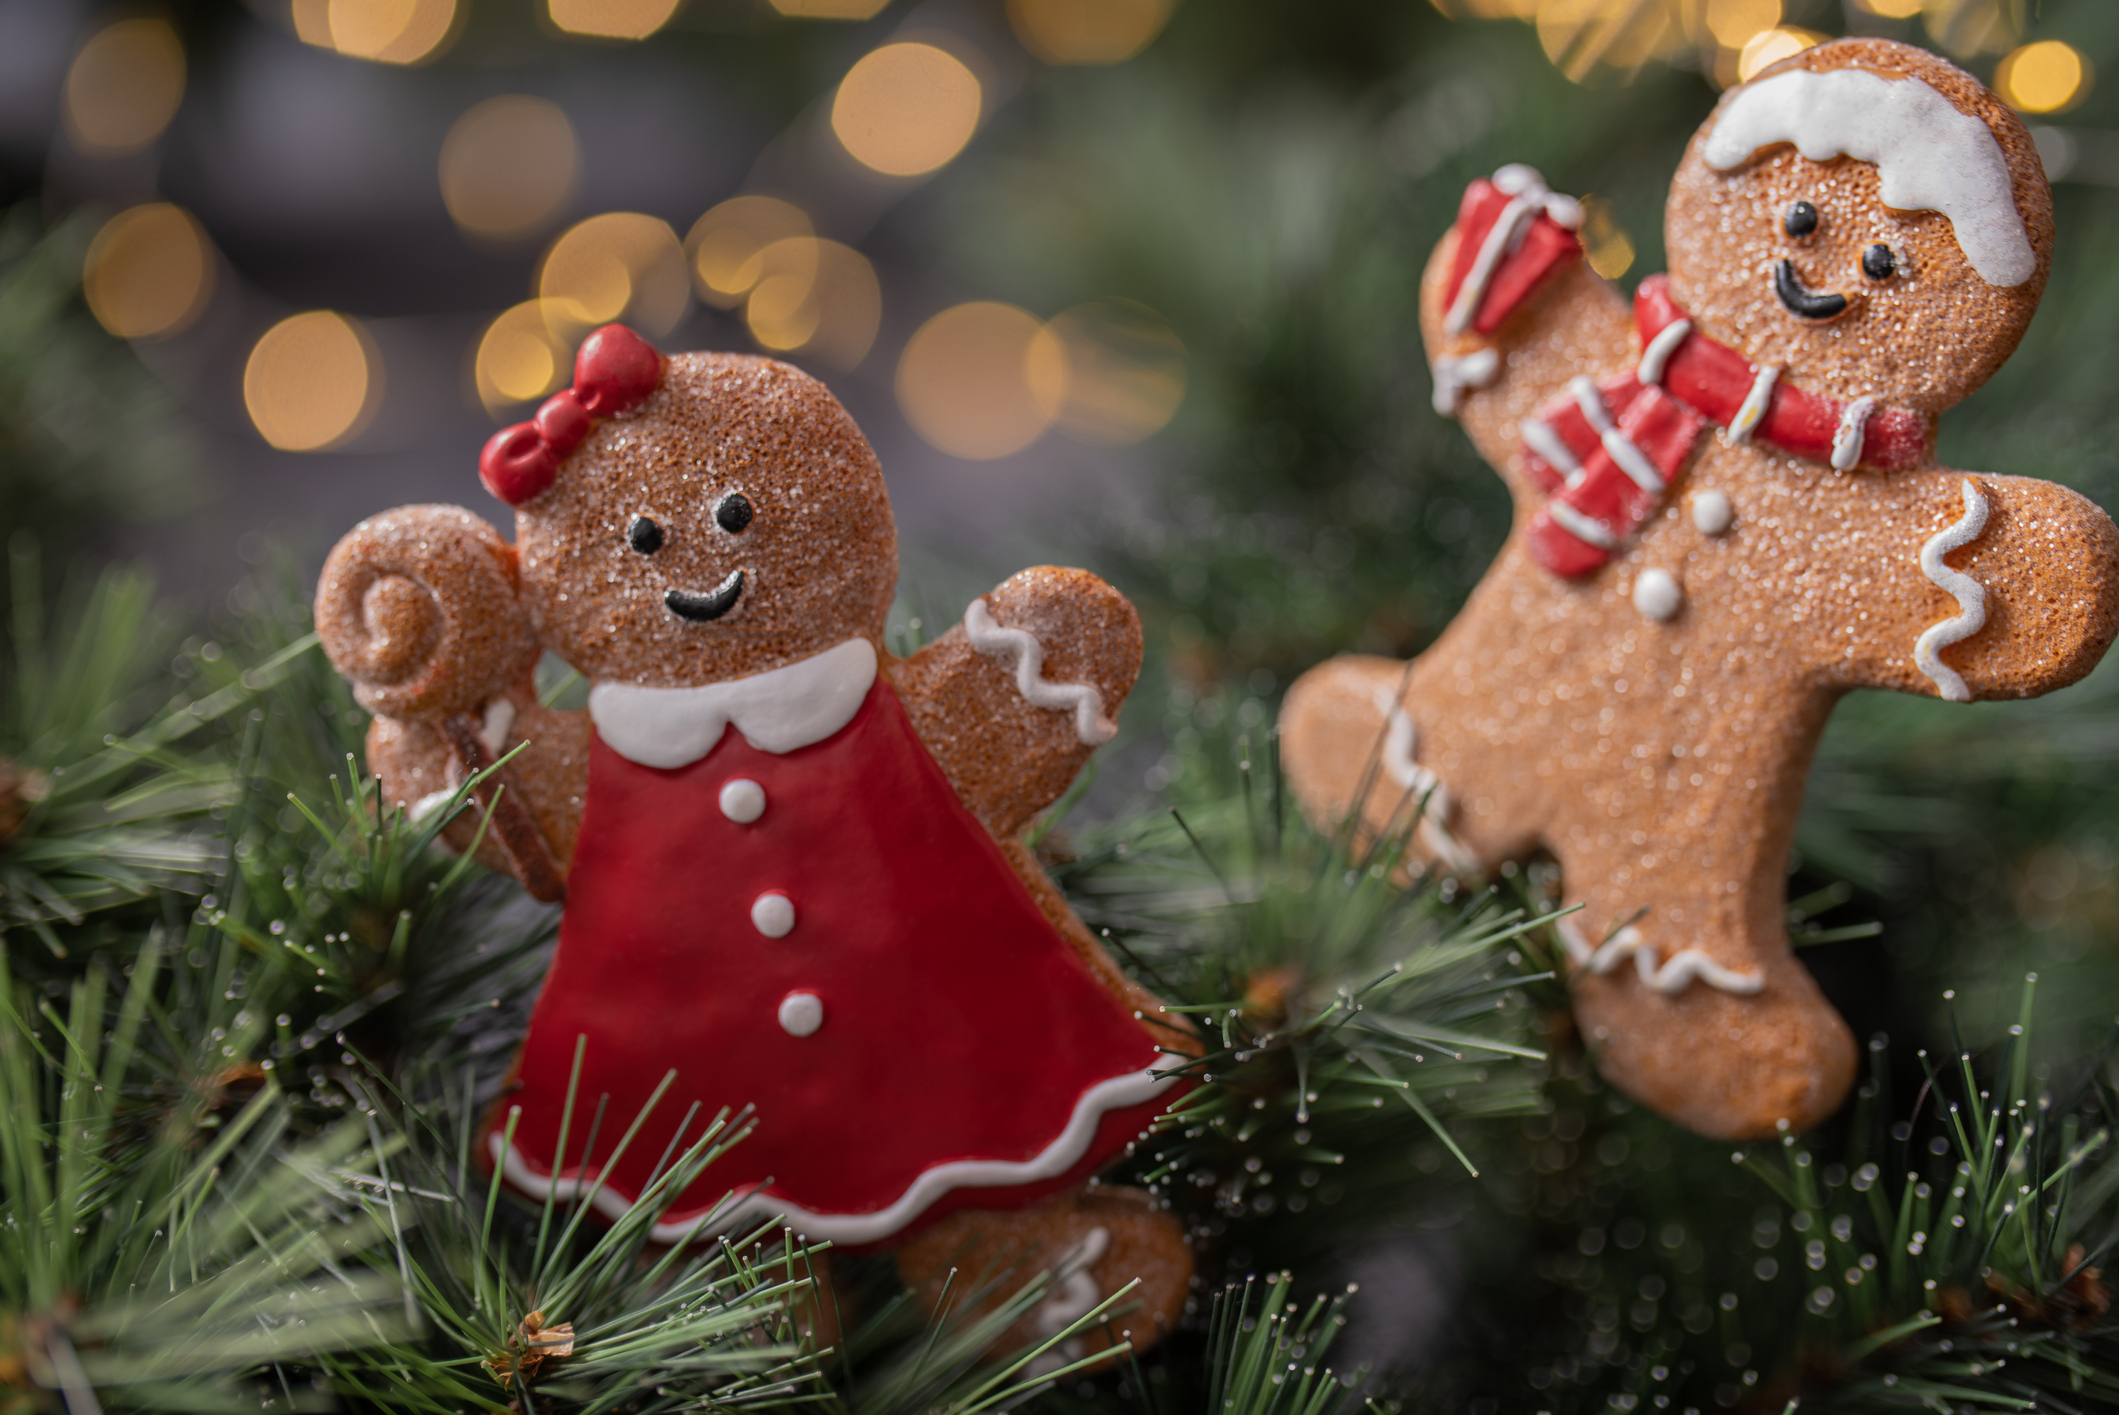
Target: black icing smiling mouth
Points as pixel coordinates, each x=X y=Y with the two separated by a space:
x=701 y=608
x=1801 y=300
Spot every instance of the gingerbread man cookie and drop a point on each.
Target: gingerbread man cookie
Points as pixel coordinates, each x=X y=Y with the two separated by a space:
x=789 y=860
x=1728 y=515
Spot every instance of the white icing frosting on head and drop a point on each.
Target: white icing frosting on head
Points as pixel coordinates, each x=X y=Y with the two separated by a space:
x=1931 y=156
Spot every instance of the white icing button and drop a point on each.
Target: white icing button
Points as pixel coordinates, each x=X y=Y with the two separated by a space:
x=1712 y=513
x=1656 y=594
x=773 y=915
x=801 y=1013
x=743 y=800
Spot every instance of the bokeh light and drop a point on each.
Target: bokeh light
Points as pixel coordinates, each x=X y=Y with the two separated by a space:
x=386 y=31
x=1770 y=47
x=124 y=87
x=520 y=357
x=618 y=266
x=724 y=244
x=905 y=109
x=829 y=9
x=815 y=297
x=1606 y=245
x=612 y=19
x=1892 y=9
x=1735 y=23
x=149 y=271
x=2044 y=77
x=982 y=380
x=312 y=381
x=1969 y=27
x=1088 y=31
x=1125 y=374
x=509 y=166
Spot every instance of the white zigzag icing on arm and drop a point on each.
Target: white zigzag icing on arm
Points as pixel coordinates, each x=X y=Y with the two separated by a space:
x=1970 y=594
x=1685 y=966
x=1400 y=740
x=1082 y=699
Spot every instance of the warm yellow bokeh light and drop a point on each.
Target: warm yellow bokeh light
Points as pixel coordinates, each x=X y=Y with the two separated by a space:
x=2042 y=78
x=726 y=242
x=1088 y=31
x=124 y=87
x=1893 y=9
x=314 y=380
x=620 y=265
x=1769 y=48
x=520 y=357
x=1734 y=23
x=982 y=380
x=1609 y=250
x=830 y=9
x=906 y=109
x=386 y=31
x=1125 y=370
x=149 y=271
x=816 y=298
x=509 y=166
x=1969 y=27
x=612 y=19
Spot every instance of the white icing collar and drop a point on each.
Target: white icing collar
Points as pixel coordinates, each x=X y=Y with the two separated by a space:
x=776 y=711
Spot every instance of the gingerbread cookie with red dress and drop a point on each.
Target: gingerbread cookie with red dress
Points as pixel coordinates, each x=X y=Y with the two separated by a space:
x=1728 y=516
x=790 y=860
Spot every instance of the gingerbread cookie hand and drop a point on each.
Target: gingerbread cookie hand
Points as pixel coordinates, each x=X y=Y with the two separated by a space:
x=1013 y=699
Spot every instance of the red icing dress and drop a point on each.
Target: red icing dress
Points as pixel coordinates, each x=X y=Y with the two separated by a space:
x=824 y=933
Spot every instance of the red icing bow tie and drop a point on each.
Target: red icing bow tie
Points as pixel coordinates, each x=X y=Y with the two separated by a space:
x=615 y=370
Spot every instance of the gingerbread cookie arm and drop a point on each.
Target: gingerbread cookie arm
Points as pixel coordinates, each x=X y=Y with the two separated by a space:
x=1575 y=324
x=1014 y=699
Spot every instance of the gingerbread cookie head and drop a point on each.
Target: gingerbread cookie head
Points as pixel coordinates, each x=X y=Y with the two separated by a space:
x=713 y=517
x=1864 y=215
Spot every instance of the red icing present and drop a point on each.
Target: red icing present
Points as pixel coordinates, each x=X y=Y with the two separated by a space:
x=1541 y=249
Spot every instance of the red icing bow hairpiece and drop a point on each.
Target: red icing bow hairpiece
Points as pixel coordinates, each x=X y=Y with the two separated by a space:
x=615 y=370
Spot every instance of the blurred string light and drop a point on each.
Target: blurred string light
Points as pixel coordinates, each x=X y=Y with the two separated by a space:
x=2044 y=77
x=149 y=272
x=1608 y=248
x=124 y=86
x=520 y=357
x=612 y=19
x=509 y=166
x=829 y=9
x=906 y=109
x=1728 y=39
x=620 y=265
x=385 y=31
x=984 y=379
x=313 y=381
x=1088 y=31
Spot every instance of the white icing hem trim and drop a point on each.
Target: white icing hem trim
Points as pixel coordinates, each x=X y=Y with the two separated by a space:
x=1456 y=374
x=1541 y=439
x=1118 y=1093
x=776 y=711
x=1659 y=350
x=989 y=638
x=1929 y=155
x=1853 y=430
x=1582 y=527
x=1970 y=594
x=1684 y=968
x=1401 y=738
x=1752 y=411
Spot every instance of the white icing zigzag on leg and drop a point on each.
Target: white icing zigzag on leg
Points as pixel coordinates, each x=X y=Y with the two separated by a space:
x=1670 y=979
x=1082 y=699
x=1970 y=594
x=1400 y=740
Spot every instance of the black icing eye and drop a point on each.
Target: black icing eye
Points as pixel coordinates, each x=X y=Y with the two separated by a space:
x=1801 y=219
x=1878 y=263
x=733 y=513
x=644 y=535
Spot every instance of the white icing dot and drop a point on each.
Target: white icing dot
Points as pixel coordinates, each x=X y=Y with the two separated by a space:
x=1656 y=594
x=801 y=1013
x=1711 y=513
x=773 y=914
x=743 y=800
